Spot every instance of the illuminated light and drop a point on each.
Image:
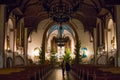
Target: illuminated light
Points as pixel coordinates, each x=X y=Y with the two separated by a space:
x=72 y=56
x=8 y=49
x=47 y=56
x=60 y=40
x=36 y=51
x=87 y=53
x=36 y=54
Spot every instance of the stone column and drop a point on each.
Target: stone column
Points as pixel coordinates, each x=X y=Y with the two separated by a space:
x=99 y=31
x=95 y=45
x=117 y=18
x=25 y=46
x=2 y=34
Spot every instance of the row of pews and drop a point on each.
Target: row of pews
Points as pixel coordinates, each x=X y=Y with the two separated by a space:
x=33 y=72
x=95 y=72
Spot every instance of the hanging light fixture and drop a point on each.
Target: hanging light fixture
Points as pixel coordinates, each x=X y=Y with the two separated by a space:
x=60 y=40
x=61 y=10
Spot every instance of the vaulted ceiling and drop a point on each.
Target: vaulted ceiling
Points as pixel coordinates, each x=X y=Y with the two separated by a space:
x=33 y=11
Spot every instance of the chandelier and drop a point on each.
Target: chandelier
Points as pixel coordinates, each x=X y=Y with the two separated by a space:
x=61 y=10
x=60 y=40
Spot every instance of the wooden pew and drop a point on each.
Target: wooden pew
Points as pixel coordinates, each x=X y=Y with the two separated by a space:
x=95 y=72
x=33 y=72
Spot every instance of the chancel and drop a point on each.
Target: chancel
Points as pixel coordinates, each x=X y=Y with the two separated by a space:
x=37 y=36
x=61 y=39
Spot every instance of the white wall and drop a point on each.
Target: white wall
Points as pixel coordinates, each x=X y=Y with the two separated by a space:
x=37 y=37
x=84 y=37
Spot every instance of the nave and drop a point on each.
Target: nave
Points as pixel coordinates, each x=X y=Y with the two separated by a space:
x=49 y=72
x=34 y=72
x=57 y=75
x=35 y=37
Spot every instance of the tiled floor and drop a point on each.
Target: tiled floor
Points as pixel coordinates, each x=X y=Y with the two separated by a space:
x=57 y=75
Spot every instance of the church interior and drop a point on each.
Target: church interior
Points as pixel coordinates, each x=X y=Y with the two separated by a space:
x=37 y=35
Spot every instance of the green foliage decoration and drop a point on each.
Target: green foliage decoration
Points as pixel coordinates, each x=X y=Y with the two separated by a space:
x=52 y=58
x=42 y=54
x=67 y=55
x=77 y=52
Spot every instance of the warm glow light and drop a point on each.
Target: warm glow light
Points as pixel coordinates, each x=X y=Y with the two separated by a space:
x=61 y=51
x=47 y=56
x=36 y=51
x=87 y=53
x=72 y=55
x=8 y=48
x=35 y=54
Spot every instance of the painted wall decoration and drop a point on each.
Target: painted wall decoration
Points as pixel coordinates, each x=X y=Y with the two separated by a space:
x=84 y=52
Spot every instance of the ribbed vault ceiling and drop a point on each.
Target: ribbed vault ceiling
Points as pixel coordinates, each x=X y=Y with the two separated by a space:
x=33 y=10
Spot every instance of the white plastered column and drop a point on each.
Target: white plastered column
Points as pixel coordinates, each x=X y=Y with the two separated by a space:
x=25 y=46
x=117 y=18
x=2 y=34
x=95 y=46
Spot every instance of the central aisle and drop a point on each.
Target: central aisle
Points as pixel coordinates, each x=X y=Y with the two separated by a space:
x=57 y=75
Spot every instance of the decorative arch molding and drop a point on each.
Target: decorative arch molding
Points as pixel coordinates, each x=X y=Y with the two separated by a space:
x=111 y=12
x=35 y=20
x=15 y=12
x=88 y=21
x=48 y=25
x=12 y=17
x=11 y=23
x=110 y=28
x=52 y=23
x=110 y=36
x=107 y=18
x=9 y=33
x=75 y=27
x=102 y=59
x=13 y=20
x=44 y=27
